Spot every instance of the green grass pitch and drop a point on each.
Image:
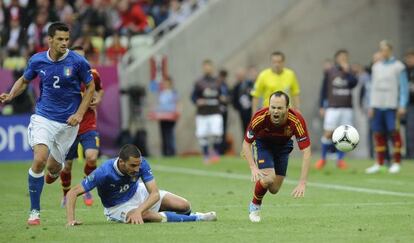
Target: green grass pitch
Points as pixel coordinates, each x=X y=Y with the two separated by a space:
x=339 y=206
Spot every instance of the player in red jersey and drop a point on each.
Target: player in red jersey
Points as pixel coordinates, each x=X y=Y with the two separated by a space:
x=88 y=136
x=269 y=134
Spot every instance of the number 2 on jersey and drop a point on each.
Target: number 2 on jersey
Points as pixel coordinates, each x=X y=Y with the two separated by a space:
x=55 y=83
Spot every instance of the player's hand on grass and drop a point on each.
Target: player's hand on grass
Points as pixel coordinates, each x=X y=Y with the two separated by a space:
x=4 y=97
x=135 y=217
x=73 y=223
x=299 y=190
x=74 y=119
x=257 y=174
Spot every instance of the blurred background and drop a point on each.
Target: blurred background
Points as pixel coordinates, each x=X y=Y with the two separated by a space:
x=138 y=45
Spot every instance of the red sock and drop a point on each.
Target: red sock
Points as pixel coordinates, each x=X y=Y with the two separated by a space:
x=259 y=192
x=397 y=144
x=88 y=169
x=380 y=147
x=49 y=178
x=66 y=179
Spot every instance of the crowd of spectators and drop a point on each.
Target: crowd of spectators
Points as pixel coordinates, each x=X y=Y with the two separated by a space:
x=102 y=27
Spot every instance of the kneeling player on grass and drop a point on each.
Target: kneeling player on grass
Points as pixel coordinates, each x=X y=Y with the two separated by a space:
x=271 y=129
x=127 y=200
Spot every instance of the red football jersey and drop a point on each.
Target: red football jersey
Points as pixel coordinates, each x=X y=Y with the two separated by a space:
x=89 y=118
x=262 y=128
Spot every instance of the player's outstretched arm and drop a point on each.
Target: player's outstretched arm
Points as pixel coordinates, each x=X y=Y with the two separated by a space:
x=76 y=118
x=299 y=190
x=71 y=197
x=135 y=216
x=18 y=87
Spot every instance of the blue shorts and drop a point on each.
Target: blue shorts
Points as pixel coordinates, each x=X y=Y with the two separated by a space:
x=273 y=156
x=385 y=120
x=89 y=140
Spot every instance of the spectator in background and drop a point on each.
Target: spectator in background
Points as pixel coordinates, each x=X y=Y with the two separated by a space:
x=178 y=13
x=133 y=18
x=242 y=100
x=209 y=121
x=16 y=11
x=224 y=101
x=167 y=113
x=275 y=78
x=65 y=11
x=336 y=104
x=98 y=19
x=388 y=103
x=409 y=129
x=115 y=51
x=37 y=33
x=35 y=7
x=14 y=39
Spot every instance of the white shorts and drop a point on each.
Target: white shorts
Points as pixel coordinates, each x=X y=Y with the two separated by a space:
x=209 y=125
x=335 y=117
x=58 y=137
x=119 y=212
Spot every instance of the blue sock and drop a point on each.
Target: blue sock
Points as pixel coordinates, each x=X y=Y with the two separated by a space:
x=326 y=145
x=36 y=182
x=174 y=217
x=340 y=155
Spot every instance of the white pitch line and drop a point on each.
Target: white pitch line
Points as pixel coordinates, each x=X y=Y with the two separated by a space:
x=187 y=171
x=298 y=205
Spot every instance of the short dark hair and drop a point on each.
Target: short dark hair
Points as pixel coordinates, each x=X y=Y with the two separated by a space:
x=223 y=73
x=129 y=150
x=339 y=52
x=57 y=26
x=280 y=93
x=207 y=61
x=77 y=48
x=278 y=53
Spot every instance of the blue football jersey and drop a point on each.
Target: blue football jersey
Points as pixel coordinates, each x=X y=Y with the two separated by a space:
x=60 y=83
x=113 y=187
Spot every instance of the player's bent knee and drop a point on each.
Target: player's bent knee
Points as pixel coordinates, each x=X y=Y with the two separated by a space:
x=273 y=190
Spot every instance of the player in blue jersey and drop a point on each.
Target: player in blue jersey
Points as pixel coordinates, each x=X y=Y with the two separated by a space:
x=128 y=200
x=59 y=109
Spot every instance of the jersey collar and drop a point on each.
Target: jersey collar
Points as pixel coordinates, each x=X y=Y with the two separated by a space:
x=60 y=59
x=115 y=165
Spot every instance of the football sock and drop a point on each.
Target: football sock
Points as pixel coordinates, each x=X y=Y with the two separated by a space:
x=326 y=145
x=66 y=179
x=380 y=147
x=396 y=141
x=174 y=217
x=50 y=178
x=340 y=155
x=88 y=169
x=36 y=182
x=259 y=192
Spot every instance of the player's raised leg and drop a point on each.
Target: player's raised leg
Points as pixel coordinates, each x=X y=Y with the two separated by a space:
x=36 y=182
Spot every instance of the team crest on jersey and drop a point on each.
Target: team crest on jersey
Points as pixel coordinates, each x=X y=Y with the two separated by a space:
x=67 y=71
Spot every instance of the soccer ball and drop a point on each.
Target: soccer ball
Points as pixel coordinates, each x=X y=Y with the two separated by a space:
x=345 y=138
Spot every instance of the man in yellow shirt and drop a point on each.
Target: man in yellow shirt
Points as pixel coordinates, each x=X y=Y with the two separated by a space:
x=275 y=78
